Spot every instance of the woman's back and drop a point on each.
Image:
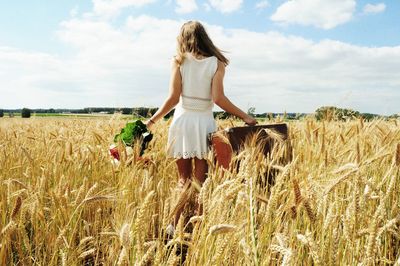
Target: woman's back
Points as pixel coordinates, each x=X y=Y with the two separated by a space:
x=197 y=75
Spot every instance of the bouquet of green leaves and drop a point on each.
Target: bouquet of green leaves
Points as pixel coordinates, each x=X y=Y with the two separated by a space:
x=132 y=131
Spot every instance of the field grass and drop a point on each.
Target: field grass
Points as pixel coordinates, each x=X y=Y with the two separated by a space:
x=62 y=201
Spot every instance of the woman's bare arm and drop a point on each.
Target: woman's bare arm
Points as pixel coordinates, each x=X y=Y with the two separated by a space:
x=222 y=101
x=175 y=89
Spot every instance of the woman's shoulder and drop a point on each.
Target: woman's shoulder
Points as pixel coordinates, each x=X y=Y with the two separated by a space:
x=176 y=61
x=219 y=67
x=220 y=64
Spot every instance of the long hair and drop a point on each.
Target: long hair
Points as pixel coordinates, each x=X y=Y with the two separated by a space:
x=194 y=39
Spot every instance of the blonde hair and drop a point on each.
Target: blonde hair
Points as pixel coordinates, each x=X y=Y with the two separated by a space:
x=194 y=39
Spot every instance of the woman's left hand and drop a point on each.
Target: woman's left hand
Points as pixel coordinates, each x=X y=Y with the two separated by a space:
x=250 y=121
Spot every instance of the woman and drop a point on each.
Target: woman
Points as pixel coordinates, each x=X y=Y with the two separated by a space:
x=196 y=84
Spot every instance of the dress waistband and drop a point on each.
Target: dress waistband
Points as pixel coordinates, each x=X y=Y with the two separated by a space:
x=196 y=98
x=196 y=103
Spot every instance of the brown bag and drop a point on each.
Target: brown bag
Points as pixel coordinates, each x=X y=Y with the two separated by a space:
x=231 y=140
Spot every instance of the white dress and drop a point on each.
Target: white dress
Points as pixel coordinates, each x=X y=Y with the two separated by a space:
x=193 y=118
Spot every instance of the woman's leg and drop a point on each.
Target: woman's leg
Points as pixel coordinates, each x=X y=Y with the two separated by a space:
x=184 y=169
x=201 y=169
x=185 y=173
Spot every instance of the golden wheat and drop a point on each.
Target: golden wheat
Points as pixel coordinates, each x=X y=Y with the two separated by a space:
x=63 y=202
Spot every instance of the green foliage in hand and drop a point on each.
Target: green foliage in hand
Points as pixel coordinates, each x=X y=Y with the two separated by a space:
x=130 y=132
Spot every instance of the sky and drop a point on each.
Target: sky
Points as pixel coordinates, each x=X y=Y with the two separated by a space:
x=292 y=56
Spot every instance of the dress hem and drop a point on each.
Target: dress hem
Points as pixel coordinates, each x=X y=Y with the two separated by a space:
x=182 y=157
x=189 y=155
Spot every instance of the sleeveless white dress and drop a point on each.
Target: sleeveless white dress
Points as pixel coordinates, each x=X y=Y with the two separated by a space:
x=193 y=118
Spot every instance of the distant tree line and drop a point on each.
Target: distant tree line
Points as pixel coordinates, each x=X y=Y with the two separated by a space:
x=25 y=112
x=332 y=113
x=327 y=113
x=136 y=111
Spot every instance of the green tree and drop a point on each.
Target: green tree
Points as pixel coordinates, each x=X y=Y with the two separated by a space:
x=26 y=113
x=1 y=113
x=368 y=116
x=330 y=113
x=251 y=111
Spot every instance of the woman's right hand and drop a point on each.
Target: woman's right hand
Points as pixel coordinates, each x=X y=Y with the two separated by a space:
x=250 y=120
x=149 y=124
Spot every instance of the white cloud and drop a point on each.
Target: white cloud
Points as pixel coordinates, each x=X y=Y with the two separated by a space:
x=319 y=13
x=109 y=8
x=226 y=6
x=262 y=4
x=371 y=8
x=128 y=65
x=74 y=12
x=207 y=7
x=185 y=6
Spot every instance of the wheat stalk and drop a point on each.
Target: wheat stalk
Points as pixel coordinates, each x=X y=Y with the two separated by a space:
x=297 y=194
x=222 y=229
x=124 y=235
x=8 y=228
x=87 y=253
x=17 y=208
x=148 y=255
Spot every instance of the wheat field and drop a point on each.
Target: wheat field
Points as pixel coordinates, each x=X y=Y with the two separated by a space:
x=63 y=202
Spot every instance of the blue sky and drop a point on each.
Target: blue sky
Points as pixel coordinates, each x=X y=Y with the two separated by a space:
x=31 y=24
x=342 y=52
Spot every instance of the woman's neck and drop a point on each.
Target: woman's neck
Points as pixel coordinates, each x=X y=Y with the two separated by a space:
x=198 y=56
